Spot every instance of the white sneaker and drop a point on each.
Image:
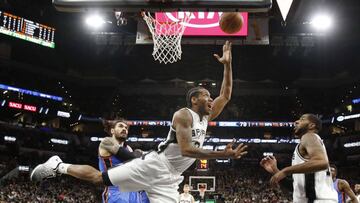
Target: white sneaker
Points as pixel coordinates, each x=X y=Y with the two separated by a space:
x=46 y=170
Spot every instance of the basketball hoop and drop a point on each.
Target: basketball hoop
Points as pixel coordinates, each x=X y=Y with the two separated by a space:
x=166 y=37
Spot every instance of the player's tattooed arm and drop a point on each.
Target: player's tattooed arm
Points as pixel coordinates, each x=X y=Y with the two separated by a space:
x=111 y=146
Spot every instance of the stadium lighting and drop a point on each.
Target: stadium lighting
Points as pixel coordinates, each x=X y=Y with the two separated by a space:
x=95 y=21
x=321 y=22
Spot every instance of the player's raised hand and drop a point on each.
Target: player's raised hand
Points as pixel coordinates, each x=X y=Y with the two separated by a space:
x=226 y=57
x=269 y=163
x=236 y=153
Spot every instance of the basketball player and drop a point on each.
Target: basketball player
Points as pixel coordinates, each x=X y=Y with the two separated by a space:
x=342 y=187
x=108 y=158
x=357 y=191
x=186 y=197
x=159 y=173
x=310 y=166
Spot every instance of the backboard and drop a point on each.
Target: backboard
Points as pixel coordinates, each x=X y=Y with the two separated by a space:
x=198 y=181
x=257 y=32
x=163 y=5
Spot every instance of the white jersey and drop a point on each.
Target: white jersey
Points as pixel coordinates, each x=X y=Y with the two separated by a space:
x=311 y=187
x=358 y=198
x=185 y=198
x=172 y=149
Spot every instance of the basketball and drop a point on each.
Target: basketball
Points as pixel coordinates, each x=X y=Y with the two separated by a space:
x=231 y=22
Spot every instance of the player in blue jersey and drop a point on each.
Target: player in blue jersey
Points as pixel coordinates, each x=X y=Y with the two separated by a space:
x=342 y=187
x=110 y=157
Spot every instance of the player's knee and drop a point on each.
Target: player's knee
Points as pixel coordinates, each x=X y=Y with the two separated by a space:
x=98 y=180
x=104 y=179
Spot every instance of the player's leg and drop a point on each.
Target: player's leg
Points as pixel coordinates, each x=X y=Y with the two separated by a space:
x=164 y=195
x=131 y=176
x=165 y=186
x=151 y=174
x=84 y=172
x=54 y=167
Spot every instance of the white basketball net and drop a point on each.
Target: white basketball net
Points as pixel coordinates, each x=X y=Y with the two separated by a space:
x=166 y=37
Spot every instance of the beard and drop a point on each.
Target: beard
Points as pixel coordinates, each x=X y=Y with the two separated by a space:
x=300 y=131
x=121 y=139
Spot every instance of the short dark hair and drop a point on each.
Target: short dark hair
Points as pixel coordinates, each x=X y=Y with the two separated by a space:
x=316 y=120
x=110 y=124
x=333 y=166
x=193 y=92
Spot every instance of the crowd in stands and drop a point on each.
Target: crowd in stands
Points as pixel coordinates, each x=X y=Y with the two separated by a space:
x=7 y=163
x=241 y=185
x=32 y=146
x=62 y=189
x=234 y=184
x=245 y=185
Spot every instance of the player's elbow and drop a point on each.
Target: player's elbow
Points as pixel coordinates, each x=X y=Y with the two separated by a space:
x=187 y=152
x=97 y=179
x=227 y=98
x=226 y=95
x=323 y=165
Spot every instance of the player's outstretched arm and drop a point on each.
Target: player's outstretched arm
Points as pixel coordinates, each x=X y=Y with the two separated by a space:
x=182 y=124
x=345 y=187
x=226 y=86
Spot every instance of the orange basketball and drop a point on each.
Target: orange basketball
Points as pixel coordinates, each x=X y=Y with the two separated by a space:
x=231 y=22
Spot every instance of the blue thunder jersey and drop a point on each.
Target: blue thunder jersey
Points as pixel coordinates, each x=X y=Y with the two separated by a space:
x=112 y=194
x=341 y=195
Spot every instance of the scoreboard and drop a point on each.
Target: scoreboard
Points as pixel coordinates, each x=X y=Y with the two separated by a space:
x=25 y=29
x=202 y=165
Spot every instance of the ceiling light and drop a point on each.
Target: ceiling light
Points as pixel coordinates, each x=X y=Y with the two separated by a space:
x=95 y=21
x=321 y=22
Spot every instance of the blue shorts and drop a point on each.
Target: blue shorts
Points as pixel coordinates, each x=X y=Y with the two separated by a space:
x=139 y=197
x=115 y=196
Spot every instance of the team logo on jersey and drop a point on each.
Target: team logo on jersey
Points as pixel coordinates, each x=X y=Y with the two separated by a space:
x=197 y=133
x=196 y=144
